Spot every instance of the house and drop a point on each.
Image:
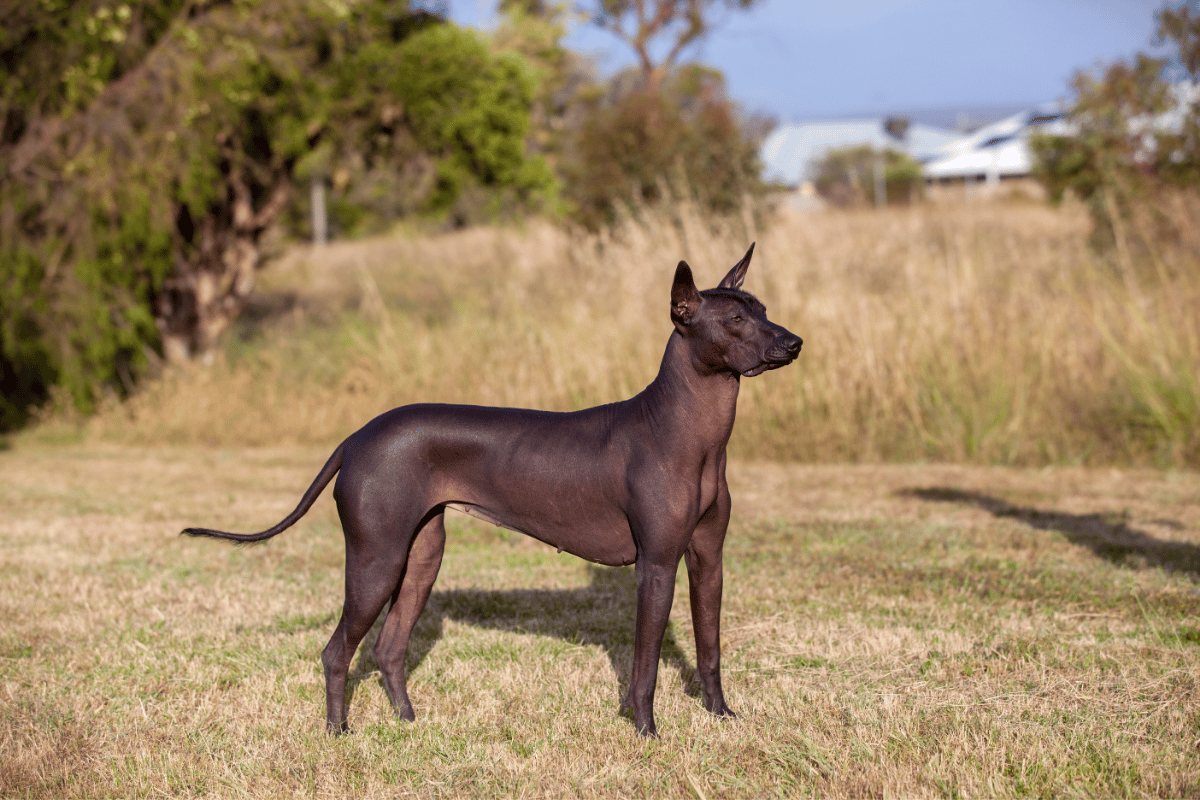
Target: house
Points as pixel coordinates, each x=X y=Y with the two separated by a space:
x=995 y=152
x=790 y=152
x=1001 y=151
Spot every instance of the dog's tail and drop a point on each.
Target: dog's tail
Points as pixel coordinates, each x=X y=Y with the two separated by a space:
x=314 y=491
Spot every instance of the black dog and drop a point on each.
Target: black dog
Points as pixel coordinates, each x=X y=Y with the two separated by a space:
x=637 y=482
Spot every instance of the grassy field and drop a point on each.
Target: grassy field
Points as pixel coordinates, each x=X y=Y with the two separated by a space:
x=964 y=558
x=889 y=630
x=986 y=333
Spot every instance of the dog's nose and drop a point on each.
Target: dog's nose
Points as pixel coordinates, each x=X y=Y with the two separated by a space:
x=793 y=346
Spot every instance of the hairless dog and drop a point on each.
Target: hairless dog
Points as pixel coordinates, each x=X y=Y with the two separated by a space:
x=637 y=482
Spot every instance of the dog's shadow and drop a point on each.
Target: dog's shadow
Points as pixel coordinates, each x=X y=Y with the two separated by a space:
x=600 y=614
x=1109 y=536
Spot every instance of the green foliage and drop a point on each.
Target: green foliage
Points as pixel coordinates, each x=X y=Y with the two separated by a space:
x=1106 y=112
x=661 y=124
x=99 y=195
x=1179 y=162
x=434 y=123
x=25 y=360
x=470 y=109
x=846 y=177
x=565 y=80
x=634 y=143
x=1123 y=154
x=74 y=301
x=132 y=208
x=59 y=55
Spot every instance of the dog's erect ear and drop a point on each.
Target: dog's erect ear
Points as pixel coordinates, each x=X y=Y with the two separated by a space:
x=738 y=274
x=685 y=297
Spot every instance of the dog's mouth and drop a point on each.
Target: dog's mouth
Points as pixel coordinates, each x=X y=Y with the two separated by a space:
x=766 y=366
x=783 y=352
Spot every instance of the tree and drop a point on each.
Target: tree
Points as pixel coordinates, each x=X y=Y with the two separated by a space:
x=1179 y=150
x=470 y=109
x=136 y=191
x=59 y=55
x=565 y=79
x=1122 y=152
x=661 y=123
x=56 y=59
x=1109 y=113
x=639 y=23
x=527 y=8
x=435 y=125
x=633 y=144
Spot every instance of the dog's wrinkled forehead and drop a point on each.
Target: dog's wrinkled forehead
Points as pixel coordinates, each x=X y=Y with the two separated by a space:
x=745 y=298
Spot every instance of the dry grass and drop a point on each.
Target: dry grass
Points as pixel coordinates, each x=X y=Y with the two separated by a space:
x=889 y=630
x=983 y=333
x=896 y=630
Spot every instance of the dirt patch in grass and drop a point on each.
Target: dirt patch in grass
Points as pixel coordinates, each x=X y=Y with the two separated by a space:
x=912 y=630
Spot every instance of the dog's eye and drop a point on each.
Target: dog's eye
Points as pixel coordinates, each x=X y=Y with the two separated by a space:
x=735 y=318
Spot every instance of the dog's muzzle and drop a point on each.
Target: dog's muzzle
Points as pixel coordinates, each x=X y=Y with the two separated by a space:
x=782 y=352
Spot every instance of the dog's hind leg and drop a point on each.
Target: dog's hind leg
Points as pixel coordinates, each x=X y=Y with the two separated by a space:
x=408 y=601
x=375 y=561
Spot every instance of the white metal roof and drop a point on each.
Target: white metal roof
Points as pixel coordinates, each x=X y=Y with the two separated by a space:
x=1000 y=149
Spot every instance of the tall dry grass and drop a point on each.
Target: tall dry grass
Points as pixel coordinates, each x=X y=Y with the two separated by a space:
x=984 y=332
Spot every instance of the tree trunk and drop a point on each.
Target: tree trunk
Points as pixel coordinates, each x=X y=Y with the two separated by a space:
x=214 y=278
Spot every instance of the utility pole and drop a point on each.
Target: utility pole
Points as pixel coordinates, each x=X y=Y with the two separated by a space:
x=880 y=181
x=320 y=223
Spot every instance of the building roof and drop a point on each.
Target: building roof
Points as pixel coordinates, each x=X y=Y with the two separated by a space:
x=1000 y=149
x=790 y=151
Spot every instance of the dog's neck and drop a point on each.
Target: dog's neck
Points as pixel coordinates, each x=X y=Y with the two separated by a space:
x=682 y=397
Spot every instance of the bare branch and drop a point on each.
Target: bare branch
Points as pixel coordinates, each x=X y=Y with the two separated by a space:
x=639 y=23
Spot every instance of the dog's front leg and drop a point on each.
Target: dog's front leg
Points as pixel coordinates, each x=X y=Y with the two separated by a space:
x=705 y=581
x=655 y=592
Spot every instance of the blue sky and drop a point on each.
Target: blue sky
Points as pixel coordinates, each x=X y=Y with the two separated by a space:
x=815 y=59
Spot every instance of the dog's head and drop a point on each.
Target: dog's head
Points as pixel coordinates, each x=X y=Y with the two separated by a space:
x=728 y=328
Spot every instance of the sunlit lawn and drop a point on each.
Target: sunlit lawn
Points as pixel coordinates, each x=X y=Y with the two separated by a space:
x=918 y=630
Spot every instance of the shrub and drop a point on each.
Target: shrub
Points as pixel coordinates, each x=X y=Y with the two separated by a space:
x=1135 y=142
x=846 y=177
x=632 y=143
x=135 y=195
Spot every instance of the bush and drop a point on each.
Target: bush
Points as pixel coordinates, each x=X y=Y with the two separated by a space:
x=132 y=211
x=633 y=143
x=469 y=108
x=1135 y=143
x=846 y=177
